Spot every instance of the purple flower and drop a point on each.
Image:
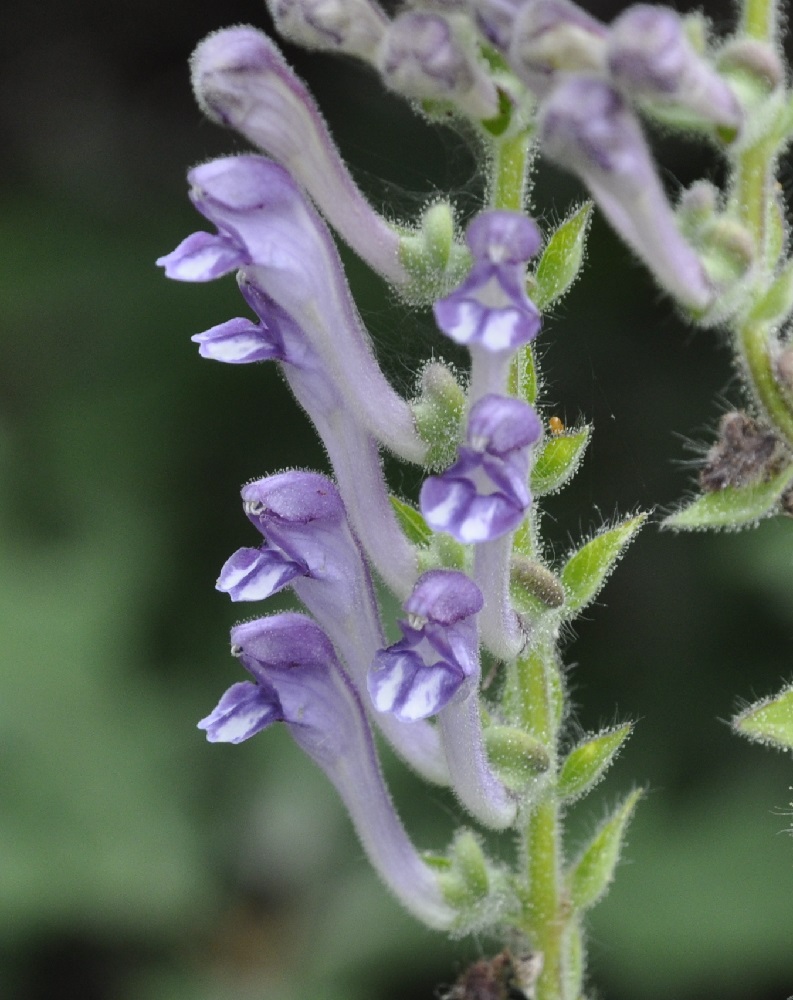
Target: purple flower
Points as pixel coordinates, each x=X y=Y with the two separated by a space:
x=495 y=19
x=420 y=674
x=242 y=81
x=434 y=670
x=650 y=56
x=485 y=494
x=297 y=680
x=422 y=57
x=266 y=227
x=491 y=309
x=310 y=546
x=586 y=126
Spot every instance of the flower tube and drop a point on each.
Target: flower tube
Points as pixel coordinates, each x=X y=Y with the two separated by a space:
x=268 y=229
x=297 y=680
x=241 y=80
x=586 y=126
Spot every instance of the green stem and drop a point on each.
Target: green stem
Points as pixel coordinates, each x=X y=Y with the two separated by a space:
x=754 y=176
x=759 y=20
x=544 y=922
x=511 y=159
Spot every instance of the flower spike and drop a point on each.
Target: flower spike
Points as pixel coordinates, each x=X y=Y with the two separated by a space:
x=298 y=680
x=242 y=81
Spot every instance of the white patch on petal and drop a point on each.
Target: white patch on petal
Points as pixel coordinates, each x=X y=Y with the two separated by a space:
x=499 y=329
x=385 y=687
x=424 y=695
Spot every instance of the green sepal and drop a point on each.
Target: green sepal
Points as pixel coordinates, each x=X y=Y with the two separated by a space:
x=769 y=720
x=586 y=764
x=413 y=525
x=431 y=256
x=776 y=305
x=438 y=413
x=732 y=507
x=591 y=874
x=517 y=757
x=561 y=260
x=587 y=570
x=463 y=875
x=558 y=460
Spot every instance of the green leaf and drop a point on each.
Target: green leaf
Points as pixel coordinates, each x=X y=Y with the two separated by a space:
x=413 y=525
x=769 y=720
x=516 y=756
x=733 y=506
x=523 y=381
x=562 y=258
x=586 y=764
x=558 y=460
x=587 y=570
x=590 y=876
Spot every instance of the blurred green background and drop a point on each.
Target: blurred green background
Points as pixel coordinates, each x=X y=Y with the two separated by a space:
x=136 y=861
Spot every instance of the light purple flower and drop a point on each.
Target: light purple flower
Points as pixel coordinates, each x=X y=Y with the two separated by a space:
x=434 y=670
x=309 y=546
x=417 y=676
x=495 y=19
x=491 y=309
x=485 y=494
x=298 y=680
x=421 y=56
x=241 y=80
x=586 y=126
x=286 y=251
x=650 y=56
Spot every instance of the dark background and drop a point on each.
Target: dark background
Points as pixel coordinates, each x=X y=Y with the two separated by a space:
x=136 y=861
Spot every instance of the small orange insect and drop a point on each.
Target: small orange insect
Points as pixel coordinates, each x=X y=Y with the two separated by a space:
x=556 y=425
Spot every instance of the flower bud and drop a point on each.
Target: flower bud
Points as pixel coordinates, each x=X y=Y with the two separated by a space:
x=650 y=56
x=552 y=36
x=351 y=26
x=422 y=57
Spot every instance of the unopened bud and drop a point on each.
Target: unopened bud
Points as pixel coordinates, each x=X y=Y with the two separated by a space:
x=649 y=55
x=754 y=58
x=351 y=26
x=424 y=58
x=551 y=36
